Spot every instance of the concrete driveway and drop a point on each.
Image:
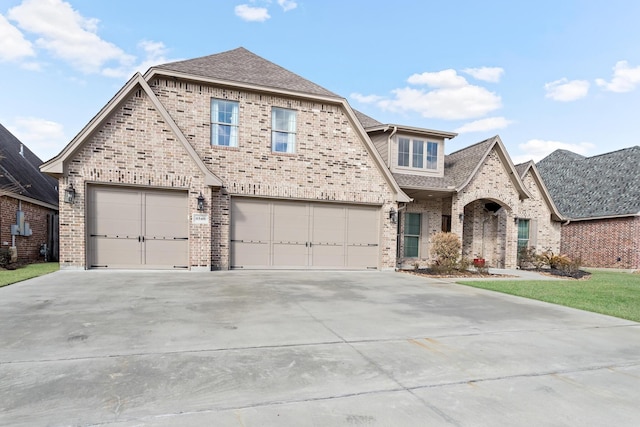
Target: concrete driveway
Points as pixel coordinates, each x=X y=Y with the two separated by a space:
x=305 y=349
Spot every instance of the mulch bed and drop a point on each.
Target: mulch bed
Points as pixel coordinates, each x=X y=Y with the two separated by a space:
x=471 y=274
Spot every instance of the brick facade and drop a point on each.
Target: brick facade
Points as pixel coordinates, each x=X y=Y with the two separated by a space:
x=608 y=243
x=492 y=235
x=134 y=147
x=28 y=247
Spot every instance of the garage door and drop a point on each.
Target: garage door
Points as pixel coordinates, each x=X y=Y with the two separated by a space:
x=279 y=234
x=134 y=228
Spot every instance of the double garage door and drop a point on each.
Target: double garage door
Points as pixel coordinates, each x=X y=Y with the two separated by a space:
x=135 y=228
x=280 y=234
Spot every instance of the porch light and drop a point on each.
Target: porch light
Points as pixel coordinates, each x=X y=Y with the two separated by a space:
x=70 y=194
x=461 y=217
x=201 y=202
x=393 y=216
x=516 y=220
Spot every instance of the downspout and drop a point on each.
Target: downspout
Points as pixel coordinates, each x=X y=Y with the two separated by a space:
x=395 y=129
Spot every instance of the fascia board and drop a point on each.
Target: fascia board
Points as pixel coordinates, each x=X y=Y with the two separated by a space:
x=410 y=129
x=29 y=199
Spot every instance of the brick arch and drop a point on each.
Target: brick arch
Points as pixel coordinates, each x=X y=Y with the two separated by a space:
x=484 y=230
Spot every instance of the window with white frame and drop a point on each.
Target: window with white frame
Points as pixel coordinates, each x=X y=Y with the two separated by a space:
x=283 y=130
x=417 y=153
x=412 y=235
x=224 y=123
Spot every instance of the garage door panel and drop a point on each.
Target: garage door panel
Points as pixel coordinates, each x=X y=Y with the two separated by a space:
x=328 y=256
x=137 y=228
x=362 y=225
x=116 y=252
x=362 y=257
x=115 y=212
x=251 y=221
x=291 y=255
x=290 y=223
x=304 y=235
x=244 y=254
x=328 y=224
x=165 y=215
x=167 y=253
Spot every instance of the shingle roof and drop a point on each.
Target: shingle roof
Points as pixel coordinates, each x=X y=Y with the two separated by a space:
x=458 y=168
x=591 y=187
x=20 y=173
x=366 y=121
x=242 y=66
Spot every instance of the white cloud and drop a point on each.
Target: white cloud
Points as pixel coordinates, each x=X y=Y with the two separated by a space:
x=155 y=53
x=365 y=99
x=484 y=125
x=13 y=45
x=44 y=137
x=287 y=5
x=537 y=149
x=252 y=14
x=67 y=35
x=448 y=97
x=565 y=90
x=487 y=74
x=625 y=78
x=452 y=103
x=439 y=79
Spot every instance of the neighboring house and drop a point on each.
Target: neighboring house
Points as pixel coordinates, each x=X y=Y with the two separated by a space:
x=230 y=161
x=28 y=203
x=600 y=197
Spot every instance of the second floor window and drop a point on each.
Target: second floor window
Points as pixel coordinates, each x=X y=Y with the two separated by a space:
x=283 y=130
x=417 y=153
x=224 y=123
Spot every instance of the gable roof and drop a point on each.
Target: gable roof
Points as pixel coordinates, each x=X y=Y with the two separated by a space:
x=242 y=66
x=607 y=185
x=55 y=166
x=19 y=173
x=461 y=166
x=530 y=167
x=366 y=121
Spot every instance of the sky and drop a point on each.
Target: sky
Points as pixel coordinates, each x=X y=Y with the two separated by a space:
x=543 y=75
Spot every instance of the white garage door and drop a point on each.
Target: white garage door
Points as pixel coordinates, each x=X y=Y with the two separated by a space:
x=136 y=228
x=280 y=234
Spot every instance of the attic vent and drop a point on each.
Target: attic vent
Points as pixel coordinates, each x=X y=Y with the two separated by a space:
x=138 y=93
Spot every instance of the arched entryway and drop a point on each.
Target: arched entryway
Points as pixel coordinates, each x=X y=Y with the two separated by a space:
x=484 y=231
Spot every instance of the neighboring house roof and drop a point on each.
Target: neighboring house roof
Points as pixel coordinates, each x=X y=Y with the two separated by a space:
x=19 y=173
x=460 y=167
x=242 y=66
x=607 y=185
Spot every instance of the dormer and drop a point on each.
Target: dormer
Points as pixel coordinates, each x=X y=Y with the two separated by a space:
x=410 y=150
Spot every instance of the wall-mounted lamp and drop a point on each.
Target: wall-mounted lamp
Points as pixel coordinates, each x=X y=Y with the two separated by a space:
x=461 y=217
x=223 y=191
x=201 y=202
x=516 y=220
x=393 y=216
x=69 y=194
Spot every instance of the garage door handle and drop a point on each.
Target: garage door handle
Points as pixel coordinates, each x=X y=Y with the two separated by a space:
x=180 y=238
x=98 y=235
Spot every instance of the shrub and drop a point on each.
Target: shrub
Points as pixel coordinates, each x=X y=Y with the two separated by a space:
x=445 y=248
x=527 y=257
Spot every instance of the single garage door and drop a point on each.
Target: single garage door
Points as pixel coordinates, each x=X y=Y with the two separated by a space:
x=280 y=234
x=136 y=228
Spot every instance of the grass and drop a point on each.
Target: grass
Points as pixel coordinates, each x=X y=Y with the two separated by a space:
x=613 y=293
x=7 y=277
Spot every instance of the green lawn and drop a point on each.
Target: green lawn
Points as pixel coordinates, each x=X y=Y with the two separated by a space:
x=8 y=277
x=613 y=293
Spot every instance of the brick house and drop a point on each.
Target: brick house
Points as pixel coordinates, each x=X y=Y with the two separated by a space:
x=230 y=161
x=600 y=197
x=28 y=203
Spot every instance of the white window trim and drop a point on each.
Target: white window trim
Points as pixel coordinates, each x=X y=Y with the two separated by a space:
x=233 y=139
x=438 y=171
x=291 y=146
